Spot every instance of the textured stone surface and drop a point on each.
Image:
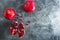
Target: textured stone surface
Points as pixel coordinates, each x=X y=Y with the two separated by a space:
x=41 y=27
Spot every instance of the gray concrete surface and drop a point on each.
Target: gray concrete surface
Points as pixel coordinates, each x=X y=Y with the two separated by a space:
x=45 y=21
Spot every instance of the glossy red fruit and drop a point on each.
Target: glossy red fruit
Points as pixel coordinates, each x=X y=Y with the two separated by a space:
x=13 y=31
x=21 y=33
x=9 y=13
x=21 y=25
x=29 y=6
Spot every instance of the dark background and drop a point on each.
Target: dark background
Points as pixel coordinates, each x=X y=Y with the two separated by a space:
x=40 y=27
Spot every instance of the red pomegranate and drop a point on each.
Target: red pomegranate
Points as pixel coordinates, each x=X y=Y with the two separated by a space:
x=9 y=13
x=29 y=6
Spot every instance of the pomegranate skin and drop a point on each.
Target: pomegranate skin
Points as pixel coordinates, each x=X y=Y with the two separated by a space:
x=29 y=6
x=9 y=13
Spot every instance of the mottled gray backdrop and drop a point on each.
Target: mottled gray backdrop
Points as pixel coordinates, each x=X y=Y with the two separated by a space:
x=45 y=21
